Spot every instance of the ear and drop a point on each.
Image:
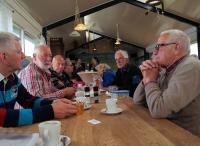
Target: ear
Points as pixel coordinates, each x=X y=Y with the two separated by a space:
x=2 y=56
x=34 y=56
x=177 y=49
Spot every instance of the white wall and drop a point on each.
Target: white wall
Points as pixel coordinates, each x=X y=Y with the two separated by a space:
x=22 y=18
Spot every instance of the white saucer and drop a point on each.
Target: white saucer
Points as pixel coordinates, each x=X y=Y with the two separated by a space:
x=88 y=107
x=119 y=110
x=102 y=90
x=68 y=141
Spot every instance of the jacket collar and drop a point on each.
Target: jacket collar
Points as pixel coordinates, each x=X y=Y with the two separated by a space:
x=1 y=77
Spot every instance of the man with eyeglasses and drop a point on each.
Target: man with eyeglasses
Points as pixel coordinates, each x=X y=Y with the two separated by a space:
x=171 y=82
x=35 y=109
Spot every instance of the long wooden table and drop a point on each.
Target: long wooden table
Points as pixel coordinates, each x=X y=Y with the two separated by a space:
x=133 y=127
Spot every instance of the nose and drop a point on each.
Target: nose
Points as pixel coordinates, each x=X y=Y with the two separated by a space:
x=49 y=58
x=23 y=56
x=155 y=51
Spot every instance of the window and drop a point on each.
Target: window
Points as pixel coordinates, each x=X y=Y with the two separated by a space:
x=29 y=46
x=17 y=31
x=194 y=49
x=27 y=41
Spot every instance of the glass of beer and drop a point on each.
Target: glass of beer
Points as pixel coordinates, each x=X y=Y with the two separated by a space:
x=80 y=108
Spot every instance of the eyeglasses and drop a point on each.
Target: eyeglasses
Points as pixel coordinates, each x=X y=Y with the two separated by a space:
x=157 y=47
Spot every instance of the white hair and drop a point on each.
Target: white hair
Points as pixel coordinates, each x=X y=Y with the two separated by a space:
x=7 y=41
x=122 y=52
x=38 y=47
x=68 y=61
x=179 y=36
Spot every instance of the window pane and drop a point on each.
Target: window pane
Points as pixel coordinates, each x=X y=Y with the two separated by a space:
x=29 y=47
x=194 y=49
x=17 y=31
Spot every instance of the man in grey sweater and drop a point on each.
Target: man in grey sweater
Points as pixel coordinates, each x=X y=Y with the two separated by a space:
x=171 y=82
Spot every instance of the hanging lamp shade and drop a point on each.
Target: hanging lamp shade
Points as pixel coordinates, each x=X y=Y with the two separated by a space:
x=78 y=24
x=118 y=39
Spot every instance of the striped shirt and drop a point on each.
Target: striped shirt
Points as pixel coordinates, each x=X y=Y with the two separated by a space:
x=38 y=82
x=35 y=110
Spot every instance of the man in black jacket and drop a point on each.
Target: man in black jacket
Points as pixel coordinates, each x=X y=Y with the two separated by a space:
x=59 y=78
x=127 y=76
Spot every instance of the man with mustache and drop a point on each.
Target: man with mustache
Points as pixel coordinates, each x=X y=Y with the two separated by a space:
x=35 y=109
x=37 y=78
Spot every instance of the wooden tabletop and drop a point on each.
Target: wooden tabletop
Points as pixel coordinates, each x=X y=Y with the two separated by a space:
x=133 y=127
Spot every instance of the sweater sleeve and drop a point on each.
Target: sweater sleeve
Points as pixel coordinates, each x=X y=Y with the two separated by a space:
x=139 y=94
x=15 y=118
x=177 y=95
x=35 y=110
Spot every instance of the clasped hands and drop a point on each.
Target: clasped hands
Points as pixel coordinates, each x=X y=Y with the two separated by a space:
x=150 y=70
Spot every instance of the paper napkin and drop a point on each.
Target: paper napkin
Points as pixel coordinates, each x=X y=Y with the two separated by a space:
x=94 y=121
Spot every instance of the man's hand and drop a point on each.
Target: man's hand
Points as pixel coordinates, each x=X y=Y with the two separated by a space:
x=148 y=64
x=63 y=108
x=150 y=71
x=69 y=91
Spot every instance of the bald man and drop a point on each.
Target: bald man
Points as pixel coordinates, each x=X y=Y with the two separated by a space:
x=59 y=78
x=37 y=78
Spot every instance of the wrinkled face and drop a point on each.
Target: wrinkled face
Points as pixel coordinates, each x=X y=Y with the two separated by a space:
x=94 y=62
x=13 y=57
x=43 y=58
x=164 y=54
x=69 y=68
x=58 y=65
x=120 y=60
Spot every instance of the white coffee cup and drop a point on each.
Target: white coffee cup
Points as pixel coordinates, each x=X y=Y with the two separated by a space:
x=111 y=105
x=114 y=95
x=50 y=132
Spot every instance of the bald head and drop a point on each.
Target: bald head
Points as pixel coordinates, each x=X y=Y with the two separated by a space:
x=42 y=57
x=58 y=63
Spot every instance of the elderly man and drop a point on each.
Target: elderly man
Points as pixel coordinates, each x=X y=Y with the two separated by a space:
x=59 y=78
x=173 y=91
x=36 y=109
x=127 y=76
x=37 y=79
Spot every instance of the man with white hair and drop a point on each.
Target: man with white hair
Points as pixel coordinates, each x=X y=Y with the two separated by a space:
x=172 y=92
x=59 y=78
x=127 y=76
x=37 y=78
x=35 y=109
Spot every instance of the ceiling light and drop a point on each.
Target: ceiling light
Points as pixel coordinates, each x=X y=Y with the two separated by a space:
x=78 y=24
x=157 y=4
x=74 y=34
x=118 y=39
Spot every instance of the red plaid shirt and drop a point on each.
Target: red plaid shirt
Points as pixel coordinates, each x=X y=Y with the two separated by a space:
x=38 y=82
